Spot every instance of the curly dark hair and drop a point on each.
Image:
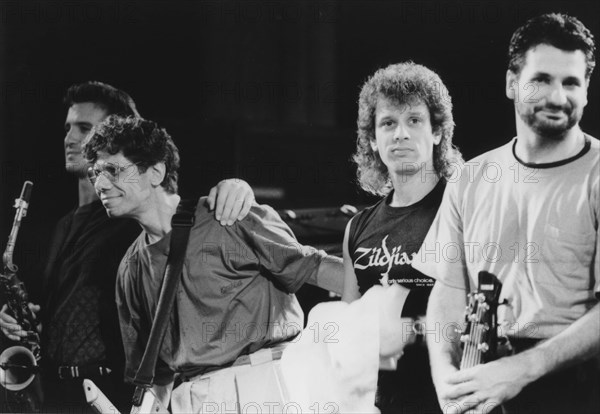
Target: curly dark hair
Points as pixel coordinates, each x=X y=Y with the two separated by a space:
x=559 y=30
x=402 y=83
x=141 y=141
x=114 y=101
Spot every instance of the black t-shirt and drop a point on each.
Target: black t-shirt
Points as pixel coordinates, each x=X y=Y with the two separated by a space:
x=383 y=241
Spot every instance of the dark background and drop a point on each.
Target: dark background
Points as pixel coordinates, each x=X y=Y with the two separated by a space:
x=262 y=90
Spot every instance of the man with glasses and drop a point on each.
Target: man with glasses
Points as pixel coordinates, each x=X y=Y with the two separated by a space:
x=235 y=309
x=80 y=336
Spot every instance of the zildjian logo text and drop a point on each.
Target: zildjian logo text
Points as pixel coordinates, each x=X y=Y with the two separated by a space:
x=382 y=257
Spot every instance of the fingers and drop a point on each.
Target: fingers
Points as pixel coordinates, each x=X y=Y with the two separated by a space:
x=212 y=196
x=461 y=376
x=475 y=404
x=460 y=406
x=14 y=335
x=5 y=318
x=9 y=325
x=226 y=201
x=233 y=200
x=455 y=392
x=484 y=407
x=248 y=201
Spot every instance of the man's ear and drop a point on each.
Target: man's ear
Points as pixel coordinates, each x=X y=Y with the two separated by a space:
x=587 y=85
x=157 y=173
x=512 y=86
x=437 y=138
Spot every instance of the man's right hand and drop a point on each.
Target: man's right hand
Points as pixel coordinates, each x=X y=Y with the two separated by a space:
x=9 y=325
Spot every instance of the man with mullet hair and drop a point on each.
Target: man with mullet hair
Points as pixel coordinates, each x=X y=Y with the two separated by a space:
x=541 y=215
x=404 y=153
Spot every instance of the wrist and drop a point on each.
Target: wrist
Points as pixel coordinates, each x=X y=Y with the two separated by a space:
x=534 y=363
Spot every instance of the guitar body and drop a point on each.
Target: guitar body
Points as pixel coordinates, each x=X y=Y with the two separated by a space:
x=150 y=404
x=480 y=336
x=96 y=398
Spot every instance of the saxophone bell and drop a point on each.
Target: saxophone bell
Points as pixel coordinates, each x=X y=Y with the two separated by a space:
x=18 y=367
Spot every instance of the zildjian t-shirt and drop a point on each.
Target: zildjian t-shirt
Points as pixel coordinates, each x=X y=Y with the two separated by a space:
x=383 y=241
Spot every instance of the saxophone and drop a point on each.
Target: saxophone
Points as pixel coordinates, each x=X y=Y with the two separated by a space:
x=20 y=363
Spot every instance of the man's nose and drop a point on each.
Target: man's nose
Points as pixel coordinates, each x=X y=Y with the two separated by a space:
x=70 y=138
x=102 y=183
x=557 y=95
x=400 y=132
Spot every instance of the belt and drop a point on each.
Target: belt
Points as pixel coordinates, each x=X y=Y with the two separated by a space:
x=261 y=356
x=81 y=371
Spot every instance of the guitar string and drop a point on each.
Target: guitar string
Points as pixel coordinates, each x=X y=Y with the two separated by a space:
x=473 y=354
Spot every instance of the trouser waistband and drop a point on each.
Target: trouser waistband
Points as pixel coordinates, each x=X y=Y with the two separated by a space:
x=261 y=356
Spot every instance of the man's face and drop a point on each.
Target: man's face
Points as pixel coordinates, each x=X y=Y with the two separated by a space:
x=404 y=137
x=552 y=90
x=81 y=117
x=123 y=190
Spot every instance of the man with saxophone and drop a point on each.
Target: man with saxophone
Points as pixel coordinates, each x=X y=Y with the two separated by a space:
x=80 y=336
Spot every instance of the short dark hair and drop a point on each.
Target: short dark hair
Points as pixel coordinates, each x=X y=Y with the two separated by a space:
x=403 y=83
x=141 y=141
x=114 y=101
x=559 y=30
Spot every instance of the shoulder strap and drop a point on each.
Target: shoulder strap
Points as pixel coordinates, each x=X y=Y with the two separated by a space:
x=181 y=224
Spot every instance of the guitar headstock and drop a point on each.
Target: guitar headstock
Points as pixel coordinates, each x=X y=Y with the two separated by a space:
x=480 y=336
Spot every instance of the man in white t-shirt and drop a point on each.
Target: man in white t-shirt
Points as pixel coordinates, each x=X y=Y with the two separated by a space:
x=527 y=212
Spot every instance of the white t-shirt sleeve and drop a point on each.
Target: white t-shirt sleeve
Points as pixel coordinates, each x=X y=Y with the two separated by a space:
x=442 y=254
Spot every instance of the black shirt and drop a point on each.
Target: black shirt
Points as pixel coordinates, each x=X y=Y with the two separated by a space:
x=383 y=241
x=80 y=315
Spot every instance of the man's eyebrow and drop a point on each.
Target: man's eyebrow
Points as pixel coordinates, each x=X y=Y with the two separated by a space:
x=80 y=123
x=574 y=79
x=539 y=74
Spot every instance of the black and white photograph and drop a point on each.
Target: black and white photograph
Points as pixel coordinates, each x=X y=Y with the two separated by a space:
x=299 y=206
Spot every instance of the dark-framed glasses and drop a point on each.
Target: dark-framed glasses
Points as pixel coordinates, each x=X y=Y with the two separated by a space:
x=111 y=171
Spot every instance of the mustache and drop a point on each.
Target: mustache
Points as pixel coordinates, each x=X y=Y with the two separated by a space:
x=554 y=108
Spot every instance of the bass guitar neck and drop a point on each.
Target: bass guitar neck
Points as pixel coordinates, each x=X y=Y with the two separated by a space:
x=480 y=337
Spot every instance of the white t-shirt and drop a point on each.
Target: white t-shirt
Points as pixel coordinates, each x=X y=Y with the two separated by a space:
x=534 y=226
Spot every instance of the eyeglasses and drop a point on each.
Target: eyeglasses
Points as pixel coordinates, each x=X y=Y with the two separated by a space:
x=110 y=171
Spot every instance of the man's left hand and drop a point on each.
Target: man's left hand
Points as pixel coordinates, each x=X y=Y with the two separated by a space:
x=231 y=199
x=483 y=387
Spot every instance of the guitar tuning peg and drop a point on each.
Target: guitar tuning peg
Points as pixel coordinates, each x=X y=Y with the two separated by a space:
x=483 y=347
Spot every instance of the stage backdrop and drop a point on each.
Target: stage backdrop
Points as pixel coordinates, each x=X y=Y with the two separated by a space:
x=262 y=90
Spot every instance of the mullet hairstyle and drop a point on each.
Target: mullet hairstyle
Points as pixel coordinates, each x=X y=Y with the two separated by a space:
x=403 y=83
x=559 y=30
x=141 y=141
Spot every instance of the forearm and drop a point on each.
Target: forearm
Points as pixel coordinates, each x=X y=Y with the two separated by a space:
x=580 y=341
x=443 y=322
x=330 y=275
